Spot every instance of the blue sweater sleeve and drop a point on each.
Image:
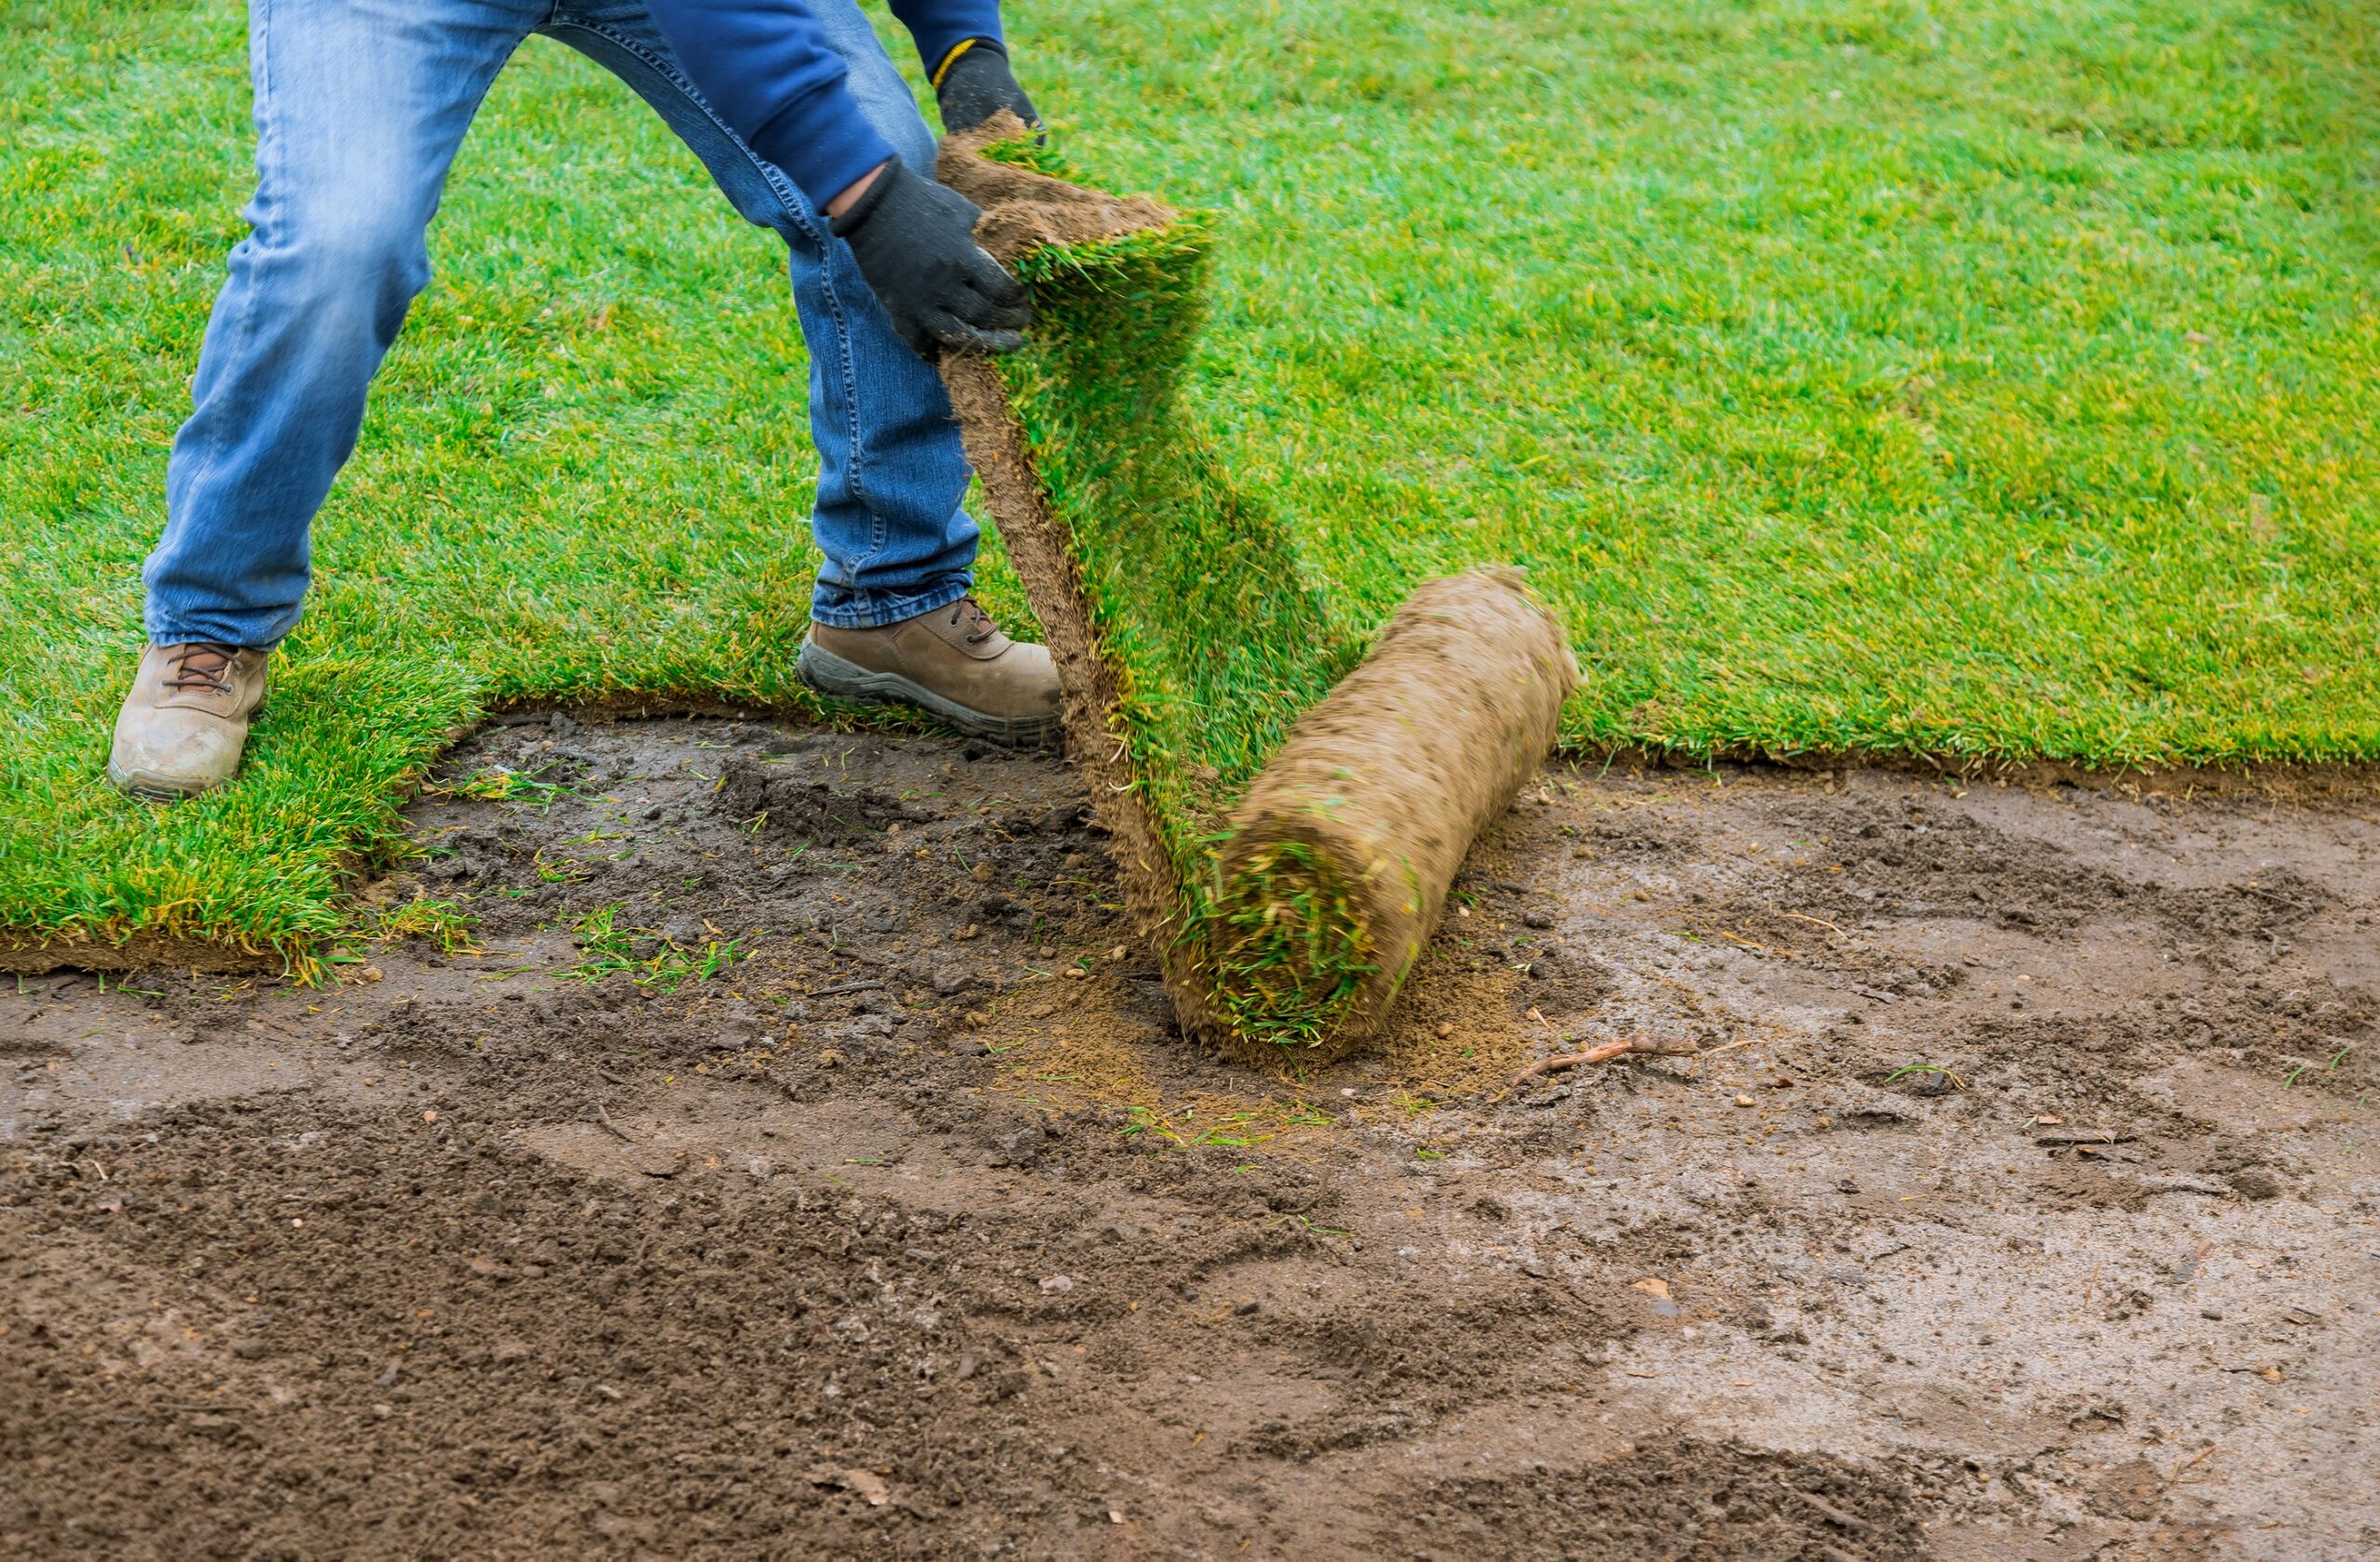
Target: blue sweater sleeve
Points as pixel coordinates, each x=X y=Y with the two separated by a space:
x=939 y=26
x=767 y=68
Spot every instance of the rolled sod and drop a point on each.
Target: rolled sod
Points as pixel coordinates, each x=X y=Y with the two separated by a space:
x=1341 y=855
x=1192 y=650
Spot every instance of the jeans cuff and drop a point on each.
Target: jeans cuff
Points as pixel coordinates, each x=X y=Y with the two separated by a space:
x=839 y=607
x=260 y=637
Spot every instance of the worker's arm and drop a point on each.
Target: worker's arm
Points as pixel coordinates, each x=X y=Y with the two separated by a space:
x=766 y=66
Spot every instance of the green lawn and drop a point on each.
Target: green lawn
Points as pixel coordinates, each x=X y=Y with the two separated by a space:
x=1991 y=380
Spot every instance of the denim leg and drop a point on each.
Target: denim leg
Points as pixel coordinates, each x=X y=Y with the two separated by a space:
x=360 y=105
x=892 y=469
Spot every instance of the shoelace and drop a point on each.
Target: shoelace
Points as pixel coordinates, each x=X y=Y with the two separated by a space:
x=206 y=664
x=984 y=627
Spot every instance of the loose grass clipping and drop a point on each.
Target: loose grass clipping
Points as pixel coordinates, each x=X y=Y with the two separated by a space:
x=1198 y=659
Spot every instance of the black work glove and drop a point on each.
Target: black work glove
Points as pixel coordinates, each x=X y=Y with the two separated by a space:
x=978 y=85
x=915 y=242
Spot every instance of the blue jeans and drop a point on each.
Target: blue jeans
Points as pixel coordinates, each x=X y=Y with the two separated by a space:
x=360 y=106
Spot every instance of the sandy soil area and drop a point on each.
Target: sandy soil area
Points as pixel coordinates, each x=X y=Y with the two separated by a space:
x=2013 y=1195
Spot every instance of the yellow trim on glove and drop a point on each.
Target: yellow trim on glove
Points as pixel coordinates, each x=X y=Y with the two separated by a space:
x=952 y=59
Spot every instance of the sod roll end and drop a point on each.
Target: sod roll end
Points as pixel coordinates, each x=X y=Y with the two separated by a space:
x=1341 y=853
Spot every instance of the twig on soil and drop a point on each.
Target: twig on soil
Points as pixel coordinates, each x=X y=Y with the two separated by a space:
x=1818 y=921
x=610 y=1126
x=847 y=987
x=1603 y=1054
x=2082 y=1136
x=1852 y=1522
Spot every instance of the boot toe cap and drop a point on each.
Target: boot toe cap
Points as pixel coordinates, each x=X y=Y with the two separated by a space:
x=1037 y=684
x=174 y=754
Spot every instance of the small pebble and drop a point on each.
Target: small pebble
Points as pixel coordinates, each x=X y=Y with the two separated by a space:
x=1744 y=1101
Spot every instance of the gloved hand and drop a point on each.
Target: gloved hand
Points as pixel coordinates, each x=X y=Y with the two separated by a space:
x=915 y=242
x=977 y=85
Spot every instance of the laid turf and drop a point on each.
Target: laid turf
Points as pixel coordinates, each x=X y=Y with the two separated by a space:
x=1995 y=381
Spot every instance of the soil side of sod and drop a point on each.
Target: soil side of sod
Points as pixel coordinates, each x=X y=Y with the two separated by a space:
x=764 y=1186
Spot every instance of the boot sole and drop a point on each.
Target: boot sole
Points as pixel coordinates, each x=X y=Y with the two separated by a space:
x=153 y=789
x=833 y=676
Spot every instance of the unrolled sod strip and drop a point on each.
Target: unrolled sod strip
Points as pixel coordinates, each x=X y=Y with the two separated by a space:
x=1340 y=854
x=1022 y=211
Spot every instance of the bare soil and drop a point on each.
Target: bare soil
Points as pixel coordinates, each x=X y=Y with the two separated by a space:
x=915 y=1231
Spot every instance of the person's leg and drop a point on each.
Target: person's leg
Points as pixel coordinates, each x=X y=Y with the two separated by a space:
x=360 y=105
x=892 y=469
x=891 y=619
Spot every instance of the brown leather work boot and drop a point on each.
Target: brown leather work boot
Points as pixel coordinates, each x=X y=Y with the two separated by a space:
x=184 y=724
x=952 y=663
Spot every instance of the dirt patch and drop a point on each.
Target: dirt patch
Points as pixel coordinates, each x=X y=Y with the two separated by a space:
x=1673 y=1498
x=764 y=1184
